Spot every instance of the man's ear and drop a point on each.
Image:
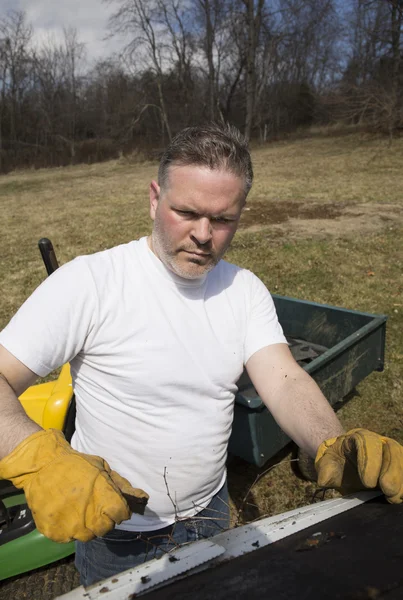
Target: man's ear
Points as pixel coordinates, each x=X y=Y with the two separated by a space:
x=155 y=192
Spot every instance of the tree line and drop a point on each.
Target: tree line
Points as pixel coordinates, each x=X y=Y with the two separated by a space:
x=268 y=66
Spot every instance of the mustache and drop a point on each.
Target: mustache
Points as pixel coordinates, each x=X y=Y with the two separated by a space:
x=197 y=249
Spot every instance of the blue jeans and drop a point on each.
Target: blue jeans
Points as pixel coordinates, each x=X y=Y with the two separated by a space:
x=120 y=550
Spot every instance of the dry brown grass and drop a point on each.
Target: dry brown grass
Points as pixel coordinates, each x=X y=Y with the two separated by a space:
x=317 y=257
x=346 y=169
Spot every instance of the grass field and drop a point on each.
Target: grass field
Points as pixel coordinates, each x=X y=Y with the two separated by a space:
x=324 y=222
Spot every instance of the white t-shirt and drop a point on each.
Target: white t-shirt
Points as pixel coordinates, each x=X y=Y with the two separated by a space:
x=155 y=359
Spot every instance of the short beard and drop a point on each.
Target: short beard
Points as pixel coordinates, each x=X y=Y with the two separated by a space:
x=169 y=261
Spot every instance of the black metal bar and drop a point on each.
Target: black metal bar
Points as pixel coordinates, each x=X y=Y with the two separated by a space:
x=48 y=255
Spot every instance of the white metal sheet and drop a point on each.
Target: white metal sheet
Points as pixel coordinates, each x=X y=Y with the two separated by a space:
x=271 y=529
x=136 y=581
x=201 y=555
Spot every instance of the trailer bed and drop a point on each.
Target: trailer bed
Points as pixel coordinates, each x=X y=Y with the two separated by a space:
x=349 y=345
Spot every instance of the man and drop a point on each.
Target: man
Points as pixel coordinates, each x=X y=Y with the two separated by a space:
x=157 y=332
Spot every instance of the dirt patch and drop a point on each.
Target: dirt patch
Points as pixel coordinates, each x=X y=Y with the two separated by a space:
x=265 y=213
x=309 y=219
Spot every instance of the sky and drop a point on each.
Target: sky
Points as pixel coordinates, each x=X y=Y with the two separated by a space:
x=88 y=17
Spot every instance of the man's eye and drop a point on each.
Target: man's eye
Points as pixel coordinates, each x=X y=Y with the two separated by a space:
x=186 y=213
x=221 y=220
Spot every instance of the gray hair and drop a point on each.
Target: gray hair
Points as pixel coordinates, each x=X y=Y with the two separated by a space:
x=213 y=146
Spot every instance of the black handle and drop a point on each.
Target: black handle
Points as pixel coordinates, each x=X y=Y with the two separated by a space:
x=48 y=255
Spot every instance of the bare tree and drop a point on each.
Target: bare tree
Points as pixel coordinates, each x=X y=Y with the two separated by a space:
x=211 y=14
x=396 y=22
x=253 y=18
x=176 y=20
x=372 y=86
x=58 y=71
x=73 y=53
x=140 y=20
x=3 y=81
x=15 y=39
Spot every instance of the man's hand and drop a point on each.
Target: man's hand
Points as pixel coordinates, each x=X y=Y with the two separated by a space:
x=361 y=459
x=71 y=495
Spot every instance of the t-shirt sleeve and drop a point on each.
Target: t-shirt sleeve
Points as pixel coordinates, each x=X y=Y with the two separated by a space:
x=262 y=327
x=52 y=325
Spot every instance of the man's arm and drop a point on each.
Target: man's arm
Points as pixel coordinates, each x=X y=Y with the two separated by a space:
x=44 y=465
x=293 y=397
x=15 y=425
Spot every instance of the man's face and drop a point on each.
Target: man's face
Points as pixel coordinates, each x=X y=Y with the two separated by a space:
x=195 y=218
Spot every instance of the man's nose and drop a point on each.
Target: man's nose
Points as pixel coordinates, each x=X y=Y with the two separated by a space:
x=202 y=230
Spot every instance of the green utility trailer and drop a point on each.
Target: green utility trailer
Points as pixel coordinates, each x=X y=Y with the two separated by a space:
x=344 y=346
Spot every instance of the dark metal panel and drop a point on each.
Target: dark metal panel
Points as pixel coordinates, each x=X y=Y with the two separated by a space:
x=358 y=556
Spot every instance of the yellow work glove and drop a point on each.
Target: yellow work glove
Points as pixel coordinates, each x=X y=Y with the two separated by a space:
x=71 y=495
x=361 y=459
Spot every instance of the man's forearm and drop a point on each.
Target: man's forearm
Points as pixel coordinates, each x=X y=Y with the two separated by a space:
x=15 y=425
x=304 y=414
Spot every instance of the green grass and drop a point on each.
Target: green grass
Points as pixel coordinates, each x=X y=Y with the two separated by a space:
x=88 y=208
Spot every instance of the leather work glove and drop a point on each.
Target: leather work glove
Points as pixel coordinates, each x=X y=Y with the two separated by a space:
x=71 y=495
x=361 y=459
